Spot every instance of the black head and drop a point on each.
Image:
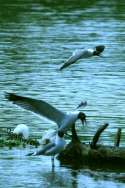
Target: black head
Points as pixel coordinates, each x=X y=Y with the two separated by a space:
x=98 y=50
x=60 y=134
x=82 y=117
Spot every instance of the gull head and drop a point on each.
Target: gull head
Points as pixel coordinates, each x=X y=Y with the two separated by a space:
x=82 y=117
x=60 y=134
x=98 y=50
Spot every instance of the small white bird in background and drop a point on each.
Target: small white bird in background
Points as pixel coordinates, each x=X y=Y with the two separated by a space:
x=85 y=53
x=22 y=130
x=53 y=148
x=63 y=120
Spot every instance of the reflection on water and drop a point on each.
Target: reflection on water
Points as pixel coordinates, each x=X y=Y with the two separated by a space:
x=35 y=39
x=28 y=172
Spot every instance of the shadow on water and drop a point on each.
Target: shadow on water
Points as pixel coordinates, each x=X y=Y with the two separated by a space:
x=97 y=172
x=97 y=166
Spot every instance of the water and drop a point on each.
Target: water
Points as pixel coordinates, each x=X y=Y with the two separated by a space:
x=35 y=39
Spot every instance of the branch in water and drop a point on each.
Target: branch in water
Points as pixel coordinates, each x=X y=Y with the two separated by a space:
x=117 y=138
x=97 y=135
x=75 y=137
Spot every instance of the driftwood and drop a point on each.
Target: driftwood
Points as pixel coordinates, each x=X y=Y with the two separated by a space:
x=77 y=153
x=117 y=138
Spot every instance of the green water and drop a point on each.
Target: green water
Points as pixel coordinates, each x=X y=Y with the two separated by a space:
x=36 y=37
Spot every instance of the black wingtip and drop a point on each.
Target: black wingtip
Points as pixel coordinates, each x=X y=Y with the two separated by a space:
x=11 y=96
x=61 y=68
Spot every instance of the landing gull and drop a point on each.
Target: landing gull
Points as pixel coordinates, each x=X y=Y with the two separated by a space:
x=84 y=53
x=62 y=119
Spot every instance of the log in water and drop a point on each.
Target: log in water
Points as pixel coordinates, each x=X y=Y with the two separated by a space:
x=94 y=154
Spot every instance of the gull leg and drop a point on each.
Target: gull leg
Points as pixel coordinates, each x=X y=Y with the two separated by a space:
x=52 y=159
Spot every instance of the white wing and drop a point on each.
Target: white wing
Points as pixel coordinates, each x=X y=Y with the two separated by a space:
x=77 y=54
x=37 y=106
x=71 y=60
x=43 y=150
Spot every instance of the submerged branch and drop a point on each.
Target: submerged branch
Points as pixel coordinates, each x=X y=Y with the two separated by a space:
x=117 y=138
x=77 y=153
x=97 y=135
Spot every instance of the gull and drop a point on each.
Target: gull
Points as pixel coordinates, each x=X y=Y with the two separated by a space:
x=53 y=148
x=84 y=53
x=62 y=119
x=22 y=131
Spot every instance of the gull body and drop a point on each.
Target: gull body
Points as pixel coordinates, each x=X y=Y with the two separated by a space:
x=62 y=119
x=21 y=130
x=53 y=148
x=84 y=53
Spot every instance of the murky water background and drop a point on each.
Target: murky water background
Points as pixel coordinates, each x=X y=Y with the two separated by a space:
x=35 y=39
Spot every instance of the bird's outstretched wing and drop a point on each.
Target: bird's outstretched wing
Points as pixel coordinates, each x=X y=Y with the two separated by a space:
x=70 y=61
x=37 y=106
x=42 y=151
x=77 y=54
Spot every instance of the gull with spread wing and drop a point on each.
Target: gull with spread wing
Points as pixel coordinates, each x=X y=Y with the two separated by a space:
x=84 y=53
x=62 y=119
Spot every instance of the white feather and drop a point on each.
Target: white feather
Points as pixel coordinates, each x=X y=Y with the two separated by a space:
x=68 y=120
x=22 y=129
x=48 y=137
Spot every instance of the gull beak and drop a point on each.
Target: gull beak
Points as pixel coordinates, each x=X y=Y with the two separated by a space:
x=82 y=117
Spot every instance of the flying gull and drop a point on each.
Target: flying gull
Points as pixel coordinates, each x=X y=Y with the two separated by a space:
x=84 y=53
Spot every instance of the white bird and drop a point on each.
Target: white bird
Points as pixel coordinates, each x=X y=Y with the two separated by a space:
x=84 y=53
x=21 y=130
x=52 y=148
x=63 y=120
